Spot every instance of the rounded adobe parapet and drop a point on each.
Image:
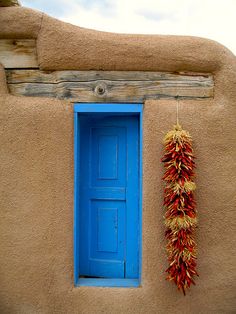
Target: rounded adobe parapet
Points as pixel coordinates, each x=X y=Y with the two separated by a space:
x=65 y=46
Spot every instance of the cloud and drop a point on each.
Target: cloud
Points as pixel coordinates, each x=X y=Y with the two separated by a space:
x=214 y=19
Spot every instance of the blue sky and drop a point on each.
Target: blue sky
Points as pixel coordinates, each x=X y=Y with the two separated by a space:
x=214 y=19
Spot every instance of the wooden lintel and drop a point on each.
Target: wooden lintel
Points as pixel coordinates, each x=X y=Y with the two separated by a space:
x=18 y=53
x=112 y=86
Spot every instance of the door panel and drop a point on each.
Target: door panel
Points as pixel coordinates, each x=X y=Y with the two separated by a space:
x=107 y=233
x=109 y=189
x=107 y=163
x=108 y=156
x=107 y=229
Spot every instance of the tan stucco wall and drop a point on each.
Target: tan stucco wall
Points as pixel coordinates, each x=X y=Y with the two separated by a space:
x=36 y=158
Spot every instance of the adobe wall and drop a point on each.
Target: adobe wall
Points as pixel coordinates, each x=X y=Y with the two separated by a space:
x=36 y=158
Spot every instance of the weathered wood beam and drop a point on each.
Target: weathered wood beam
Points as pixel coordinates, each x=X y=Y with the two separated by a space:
x=18 y=53
x=113 y=86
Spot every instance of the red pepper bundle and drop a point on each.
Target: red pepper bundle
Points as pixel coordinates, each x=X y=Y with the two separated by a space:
x=180 y=217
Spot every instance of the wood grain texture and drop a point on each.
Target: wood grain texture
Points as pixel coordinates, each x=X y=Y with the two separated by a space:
x=113 y=86
x=18 y=53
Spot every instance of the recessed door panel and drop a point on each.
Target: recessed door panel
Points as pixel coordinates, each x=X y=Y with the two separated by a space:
x=109 y=156
x=107 y=164
x=107 y=229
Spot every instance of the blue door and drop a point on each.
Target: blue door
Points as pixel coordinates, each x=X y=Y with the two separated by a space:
x=109 y=196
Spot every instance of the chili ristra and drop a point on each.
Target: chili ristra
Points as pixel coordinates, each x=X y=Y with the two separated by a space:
x=180 y=215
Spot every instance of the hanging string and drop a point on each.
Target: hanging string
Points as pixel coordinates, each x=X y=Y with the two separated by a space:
x=177 y=111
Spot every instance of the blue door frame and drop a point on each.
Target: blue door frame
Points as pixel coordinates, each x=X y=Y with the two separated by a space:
x=112 y=110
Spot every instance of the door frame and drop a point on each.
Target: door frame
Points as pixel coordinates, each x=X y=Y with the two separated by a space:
x=92 y=108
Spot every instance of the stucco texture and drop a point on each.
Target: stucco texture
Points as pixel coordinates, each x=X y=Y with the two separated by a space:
x=36 y=158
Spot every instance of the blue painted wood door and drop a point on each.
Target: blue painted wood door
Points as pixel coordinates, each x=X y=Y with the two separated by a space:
x=109 y=196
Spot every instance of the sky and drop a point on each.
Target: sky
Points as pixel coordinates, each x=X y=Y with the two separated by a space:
x=214 y=19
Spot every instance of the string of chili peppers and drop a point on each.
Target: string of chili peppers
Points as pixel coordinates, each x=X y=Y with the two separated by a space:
x=180 y=216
